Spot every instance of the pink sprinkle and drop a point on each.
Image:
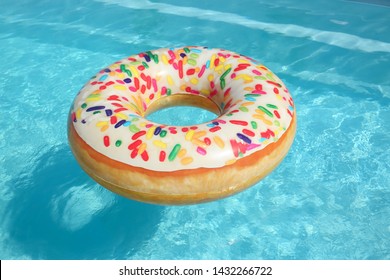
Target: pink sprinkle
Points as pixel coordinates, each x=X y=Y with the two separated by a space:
x=201 y=151
x=257 y=72
x=202 y=71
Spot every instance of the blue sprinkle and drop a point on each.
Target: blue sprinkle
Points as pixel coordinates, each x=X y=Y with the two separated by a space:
x=95 y=108
x=196 y=50
x=216 y=123
x=102 y=78
x=127 y=123
x=244 y=138
x=208 y=64
x=118 y=124
x=108 y=112
x=157 y=131
x=107 y=70
x=183 y=55
x=127 y=80
x=250 y=98
x=210 y=124
x=83 y=121
x=147 y=58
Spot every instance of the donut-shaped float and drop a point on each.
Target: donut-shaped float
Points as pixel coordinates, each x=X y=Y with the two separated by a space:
x=115 y=143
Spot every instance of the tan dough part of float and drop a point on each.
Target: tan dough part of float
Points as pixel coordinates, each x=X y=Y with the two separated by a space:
x=184 y=186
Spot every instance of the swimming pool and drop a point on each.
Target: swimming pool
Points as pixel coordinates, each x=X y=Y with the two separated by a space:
x=330 y=197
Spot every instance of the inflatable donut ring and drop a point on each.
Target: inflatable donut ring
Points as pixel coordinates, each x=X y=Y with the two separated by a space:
x=115 y=143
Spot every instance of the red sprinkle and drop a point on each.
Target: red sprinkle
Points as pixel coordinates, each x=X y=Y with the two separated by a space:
x=207 y=141
x=113 y=120
x=145 y=155
x=248 y=132
x=138 y=134
x=243 y=123
x=276 y=113
x=162 y=156
x=215 y=128
x=106 y=140
x=135 y=144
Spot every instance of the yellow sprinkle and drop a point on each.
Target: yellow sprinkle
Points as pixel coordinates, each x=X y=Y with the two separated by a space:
x=104 y=128
x=243 y=61
x=197 y=69
x=229 y=162
x=212 y=61
x=219 y=68
x=185 y=60
x=170 y=80
x=182 y=153
x=210 y=77
x=246 y=77
x=142 y=148
x=222 y=59
x=205 y=91
x=261 y=117
x=134 y=71
x=94 y=98
x=101 y=123
x=186 y=160
x=147 y=100
x=160 y=144
x=164 y=59
x=183 y=87
x=143 y=124
x=199 y=143
x=120 y=87
x=78 y=113
x=247 y=103
x=227 y=66
x=150 y=132
x=189 y=135
x=194 y=81
x=219 y=142
x=122 y=116
x=200 y=134
x=248 y=88
x=121 y=75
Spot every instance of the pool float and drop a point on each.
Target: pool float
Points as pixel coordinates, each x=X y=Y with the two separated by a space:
x=115 y=143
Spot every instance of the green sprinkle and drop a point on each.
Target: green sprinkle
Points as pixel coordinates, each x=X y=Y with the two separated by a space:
x=187 y=50
x=223 y=83
x=155 y=58
x=276 y=122
x=270 y=76
x=272 y=106
x=169 y=91
x=163 y=133
x=118 y=143
x=96 y=112
x=174 y=152
x=254 y=124
x=128 y=72
x=133 y=128
x=192 y=62
x=84 y=105
x=225 y=74
x=243 y=109
x=194 y=55
x=260 y=78
x=252 y=95
x=135 y=62
x=265 y=110
x=145 y=64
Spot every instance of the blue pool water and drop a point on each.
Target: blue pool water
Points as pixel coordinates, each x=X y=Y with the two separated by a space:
x=330 y=197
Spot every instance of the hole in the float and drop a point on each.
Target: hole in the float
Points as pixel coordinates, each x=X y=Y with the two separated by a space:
x=182 y=116
x=182 y=110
